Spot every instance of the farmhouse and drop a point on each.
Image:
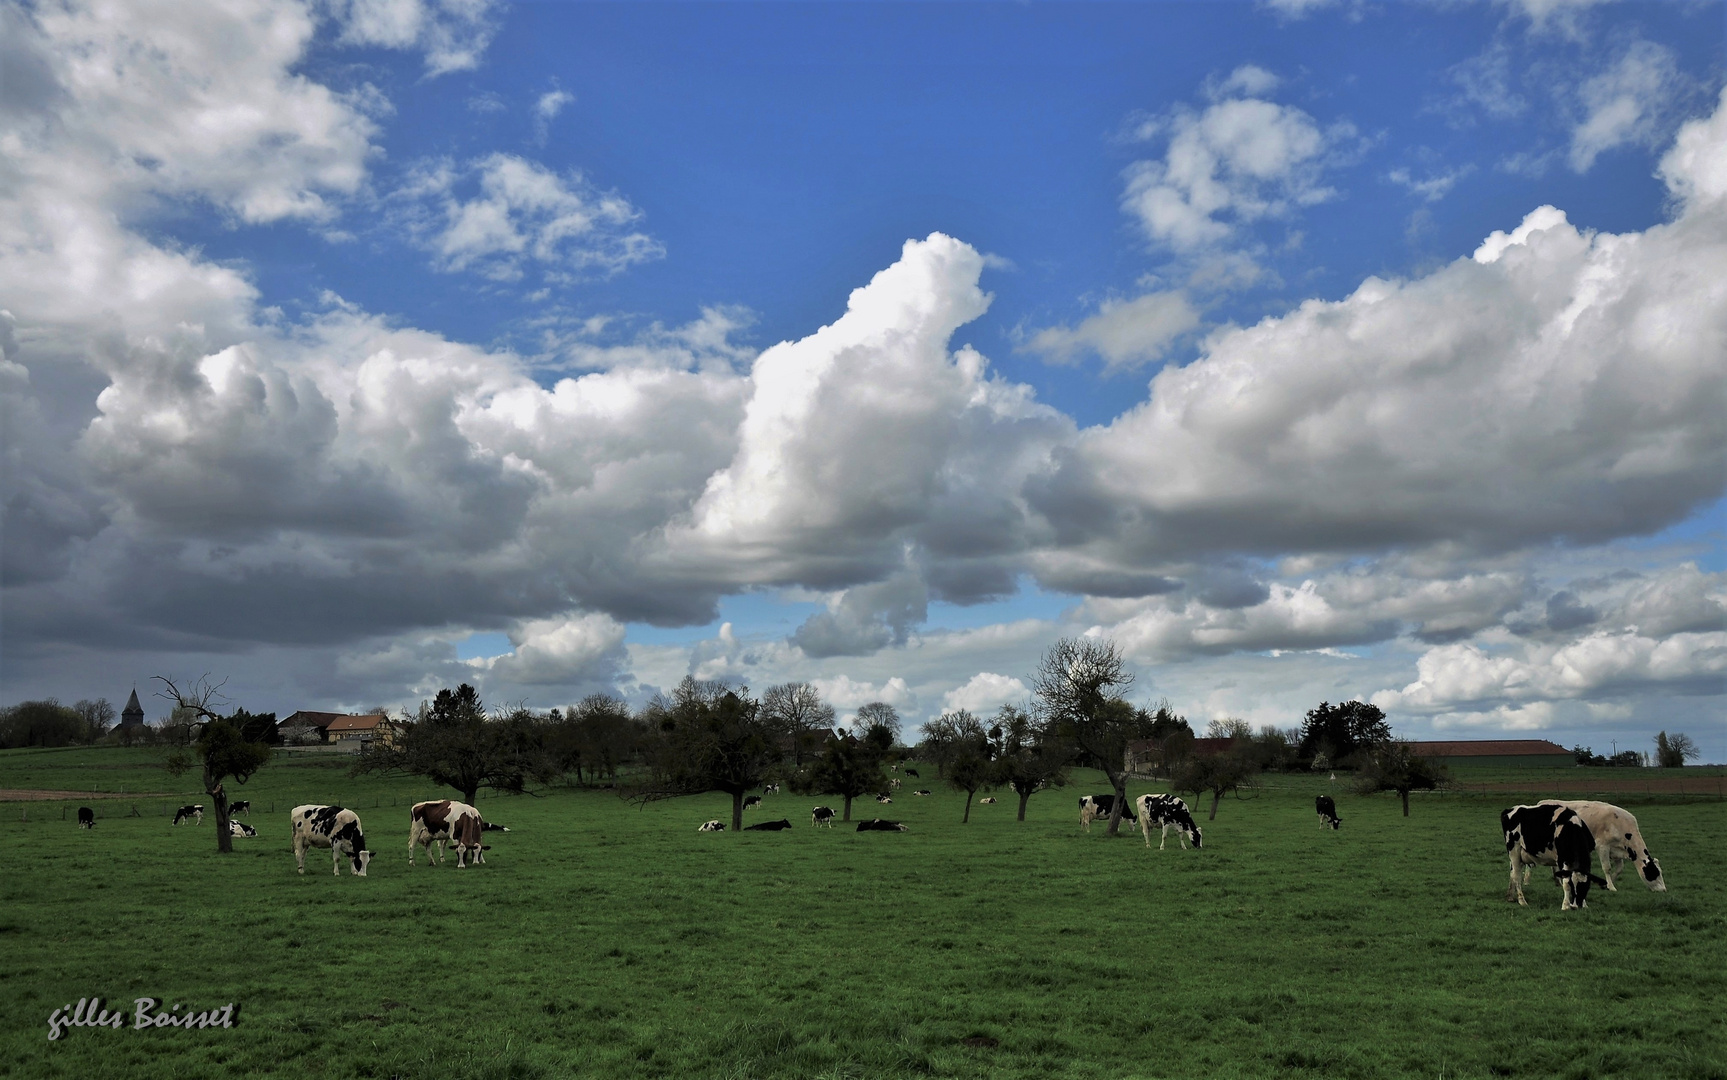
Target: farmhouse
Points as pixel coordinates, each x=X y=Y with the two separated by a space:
x=359 y=732
x=353 y=731
x=1528 y=753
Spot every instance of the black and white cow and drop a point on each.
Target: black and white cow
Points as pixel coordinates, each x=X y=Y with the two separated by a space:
x=1552 y=835
x=771 y=789
x=883 y=799
x=1096 y=807
x=921 y=791
x=189 y=811
x=446 y=821
x=822 y=815
x=86 y=818
x=1167 y=812
x=752 y=801
x=909 y=771
x=716 y=825
x=1618 y=841
x=1327 y=812
x=489 y=826
x=989 y=801
x=894 y=783
x=329 y=827
x=240 y=806
x=769 y=826
x=237 y=829
x=879 y=825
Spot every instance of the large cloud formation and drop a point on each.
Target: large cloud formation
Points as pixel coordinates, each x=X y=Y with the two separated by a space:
x=187 y=469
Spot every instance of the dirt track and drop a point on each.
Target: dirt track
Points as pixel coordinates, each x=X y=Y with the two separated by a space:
x=30 y=795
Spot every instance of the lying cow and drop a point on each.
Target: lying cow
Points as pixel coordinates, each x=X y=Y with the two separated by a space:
x=237 y=829
x=1617 y=841
x=921 y=791
x=1167 y=812
x=1327 y=812
x=189 y=811
x=86 y=818
x=878 y=825
x=909 y=771
x=769 y=826
x=1552 y=835
x=242 y=806
x=1094 y=807
x=329 y=827
x=716 y=825
x=822 y=815
x=986 y=801
x=446 y=821
x=883 y=799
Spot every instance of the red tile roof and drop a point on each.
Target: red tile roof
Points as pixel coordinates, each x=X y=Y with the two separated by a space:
x=1489 y=748
x=369 y=722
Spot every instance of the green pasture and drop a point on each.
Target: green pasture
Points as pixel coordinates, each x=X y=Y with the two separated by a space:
x=606 y=940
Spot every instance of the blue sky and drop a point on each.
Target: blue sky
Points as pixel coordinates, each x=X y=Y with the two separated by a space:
x=1307 y=350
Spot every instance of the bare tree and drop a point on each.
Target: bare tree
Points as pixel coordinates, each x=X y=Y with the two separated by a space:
x=1672 y=751
x=962 y=752
x=1395 y=766
x=798 y=709
x=1078 y=687
x=1029 y=757
x=220 y=746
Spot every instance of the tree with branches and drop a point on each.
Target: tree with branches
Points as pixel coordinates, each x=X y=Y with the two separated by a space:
x=1218 y=774
x=1027 y=757
x=1673 y=751
x=798 y=709
x=708 y=737
x=848 y=767
x=1394 y=765
x=963 y=753
x=1078 y=687
x=454 y=742
x=1341 y=731
x=220 y=747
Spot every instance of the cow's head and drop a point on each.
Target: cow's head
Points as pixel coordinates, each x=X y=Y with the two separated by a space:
x=1192 y=831
x=359 y=860
x=1651 y=871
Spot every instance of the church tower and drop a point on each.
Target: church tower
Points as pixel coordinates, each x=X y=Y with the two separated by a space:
x=133 y=714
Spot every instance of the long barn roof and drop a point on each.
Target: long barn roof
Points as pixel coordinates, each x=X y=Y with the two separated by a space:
x=1488 y=748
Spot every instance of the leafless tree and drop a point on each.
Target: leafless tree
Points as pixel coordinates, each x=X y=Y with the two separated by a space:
x=797 y=709
x=219 y=746
x=1079 y=687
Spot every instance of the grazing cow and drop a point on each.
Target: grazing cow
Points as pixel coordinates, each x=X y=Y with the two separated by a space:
x=822 y=815
x=894 y=783
x=921 y=791
x=1327 y=812
x=752 y=800
x=241 y=806
x=893 y=768
x=1167 y=812
x=86 y=818
x=1094 y=807
x=444 y=820
x=237 y=829
x=883 y=799
x=769 y=826
x=334 y=828
x=1555 y=836
x=909 y=771
x=878 y=825
x=716 y=825
x=987 y=801
x=771 y=789
x=1617 y=841
x=189 y=811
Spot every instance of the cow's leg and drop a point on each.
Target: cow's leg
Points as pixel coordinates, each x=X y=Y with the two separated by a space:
x=1145 y=827
x=300 y=854
x=335 y=860
x=1610 y=865
x=1163 y=836
x=1515 y=890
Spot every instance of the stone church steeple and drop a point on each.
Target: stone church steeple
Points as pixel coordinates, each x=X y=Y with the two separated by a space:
x=133 y=714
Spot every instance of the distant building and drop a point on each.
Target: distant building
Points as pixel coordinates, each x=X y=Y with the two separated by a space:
x=1528 y=753
x=359 y=732
x=132 y=716
x=309 y=726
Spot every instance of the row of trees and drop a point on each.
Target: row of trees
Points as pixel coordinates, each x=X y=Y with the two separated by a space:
x=49 y=723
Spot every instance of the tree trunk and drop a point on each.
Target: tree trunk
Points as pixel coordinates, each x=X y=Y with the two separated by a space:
x=1405 y=794
x=737 y=811
x=967 y=816
x=224 y=834
x=1120 y=786
x=1216 y=797
x=848 y=813
x=469 y=795
x=1024 y=797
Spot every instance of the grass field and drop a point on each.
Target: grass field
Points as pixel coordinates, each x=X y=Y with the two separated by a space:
x=609 y=941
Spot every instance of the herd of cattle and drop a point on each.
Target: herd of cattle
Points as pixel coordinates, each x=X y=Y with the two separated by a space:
x=1563 y=835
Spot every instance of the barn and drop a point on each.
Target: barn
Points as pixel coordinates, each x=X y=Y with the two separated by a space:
x=1498 y=753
